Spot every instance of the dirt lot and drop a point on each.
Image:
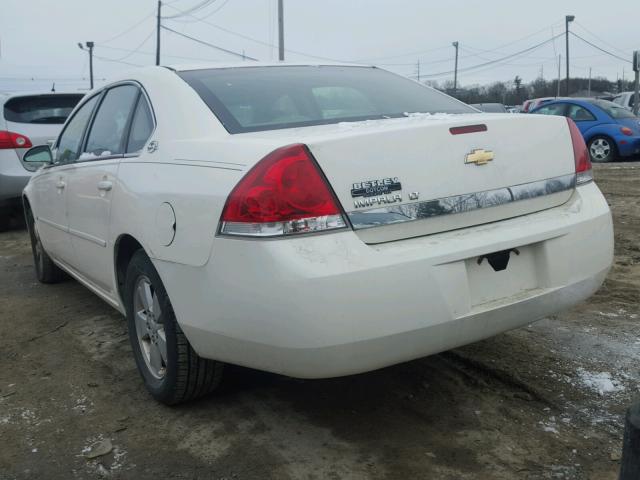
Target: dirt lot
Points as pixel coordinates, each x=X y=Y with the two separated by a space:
x=546 y=401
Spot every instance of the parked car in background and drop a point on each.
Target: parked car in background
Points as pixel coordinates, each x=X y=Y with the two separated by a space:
x=610 y=130
x=490 y=107
x=311 y=220
x=535 y=102
x=625 y=100
x=26 y=119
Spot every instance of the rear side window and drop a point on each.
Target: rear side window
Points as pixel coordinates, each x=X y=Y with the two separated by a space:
x=106 y=136
x=69 y=143
x=249 y=99
x=579 y=114
x=614 y=110
x=555 y=109
x=141 y=127
x=43 y=109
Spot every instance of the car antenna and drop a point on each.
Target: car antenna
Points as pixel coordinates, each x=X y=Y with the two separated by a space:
x=53 y=87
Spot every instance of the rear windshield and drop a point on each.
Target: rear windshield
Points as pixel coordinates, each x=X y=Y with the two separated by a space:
x=249 y=99
x=613 y=109
x=50 y=109
x=490 y=107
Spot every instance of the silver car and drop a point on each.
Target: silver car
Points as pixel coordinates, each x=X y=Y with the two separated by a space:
x=26 y=119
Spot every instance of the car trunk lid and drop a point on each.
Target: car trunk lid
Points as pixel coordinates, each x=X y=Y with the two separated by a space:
x=414 y=176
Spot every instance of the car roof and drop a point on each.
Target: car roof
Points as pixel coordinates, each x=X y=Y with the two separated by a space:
x=248 y=64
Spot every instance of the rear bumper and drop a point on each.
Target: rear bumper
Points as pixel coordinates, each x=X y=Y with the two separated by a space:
x=631 y=146
x=13 y=176
x=330 y=305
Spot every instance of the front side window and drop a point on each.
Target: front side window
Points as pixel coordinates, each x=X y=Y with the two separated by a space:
x=69 y=143
x=580 y=114
x=141 y=126
x=249 y=99
x=107 y=133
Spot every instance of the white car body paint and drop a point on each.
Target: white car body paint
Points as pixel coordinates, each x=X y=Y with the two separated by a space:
x=342 y=302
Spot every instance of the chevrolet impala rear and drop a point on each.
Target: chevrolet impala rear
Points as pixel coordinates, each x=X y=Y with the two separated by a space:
x=314 y=221
x=382 y=222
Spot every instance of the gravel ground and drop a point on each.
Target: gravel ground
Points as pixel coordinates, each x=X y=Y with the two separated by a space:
x=545 y=401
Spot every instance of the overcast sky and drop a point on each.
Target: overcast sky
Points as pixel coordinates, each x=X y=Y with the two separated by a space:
x=38 y=38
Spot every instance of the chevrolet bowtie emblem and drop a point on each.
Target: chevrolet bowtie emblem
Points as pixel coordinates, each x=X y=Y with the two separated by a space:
x=479 y=156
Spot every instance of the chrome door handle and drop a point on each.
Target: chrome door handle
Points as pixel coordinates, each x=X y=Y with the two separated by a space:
x=60 y=184
x=105 y=185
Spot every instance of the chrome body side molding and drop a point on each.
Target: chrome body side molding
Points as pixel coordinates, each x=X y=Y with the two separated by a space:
x=392 y=214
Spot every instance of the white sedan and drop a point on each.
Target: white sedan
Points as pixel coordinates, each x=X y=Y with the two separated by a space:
x=311 y=220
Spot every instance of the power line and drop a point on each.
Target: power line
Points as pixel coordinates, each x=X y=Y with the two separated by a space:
x=124 y=32
x=117 y=61
x=260 y=42
x=198 y=19
x=602 y=40
x=189 y=11
x=600 y=48
x=145 y=52
x=135 y=50
x=493 y=62
x=230 y=52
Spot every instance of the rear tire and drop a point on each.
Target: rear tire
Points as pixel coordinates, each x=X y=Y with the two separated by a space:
x=171 y=370
x=46 y=270
x=602 y=149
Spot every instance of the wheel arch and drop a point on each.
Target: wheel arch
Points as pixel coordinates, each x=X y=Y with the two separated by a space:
x=124 y=248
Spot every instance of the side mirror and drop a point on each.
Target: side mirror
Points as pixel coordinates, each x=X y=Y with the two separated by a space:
x=39 y=154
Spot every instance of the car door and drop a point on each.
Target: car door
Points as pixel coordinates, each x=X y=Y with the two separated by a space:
x=584 y=119
x=91 y=182
x=50 y=186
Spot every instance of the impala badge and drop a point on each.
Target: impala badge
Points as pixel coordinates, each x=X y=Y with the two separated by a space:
x=479 y=156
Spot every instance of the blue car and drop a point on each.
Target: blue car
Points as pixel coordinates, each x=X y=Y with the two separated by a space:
x=609 y=130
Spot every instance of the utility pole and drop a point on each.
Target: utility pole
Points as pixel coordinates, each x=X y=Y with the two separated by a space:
x=559 y=63
x=280 y=30
x=567 y=20
x=158 y=27
x=418 y=66
x=89 y=49
x=589 y=90
x=636 y=68
x=455 y=71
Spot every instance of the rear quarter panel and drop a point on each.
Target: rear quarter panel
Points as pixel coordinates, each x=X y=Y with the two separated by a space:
x=196 y=194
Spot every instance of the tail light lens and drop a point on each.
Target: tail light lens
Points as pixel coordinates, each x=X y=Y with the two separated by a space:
x=13 y=140
x=283 y=194
x=584 y=174
x=626 y=131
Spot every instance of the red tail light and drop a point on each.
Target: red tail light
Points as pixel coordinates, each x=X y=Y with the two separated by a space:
x=584 y=173
x=284 y=193
x=626 y=131
x=13 y=140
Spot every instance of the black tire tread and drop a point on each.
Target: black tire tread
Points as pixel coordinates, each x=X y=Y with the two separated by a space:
x=195 y=376
x=50 y=272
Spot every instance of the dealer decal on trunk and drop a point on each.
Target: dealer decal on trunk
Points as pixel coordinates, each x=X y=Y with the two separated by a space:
x=377 y=192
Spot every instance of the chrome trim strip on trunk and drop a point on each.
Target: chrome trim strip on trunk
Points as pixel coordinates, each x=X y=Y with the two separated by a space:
x=390 y=214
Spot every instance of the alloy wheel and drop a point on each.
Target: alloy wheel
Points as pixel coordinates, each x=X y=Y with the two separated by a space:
x=600 y=149
x=150 y=327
